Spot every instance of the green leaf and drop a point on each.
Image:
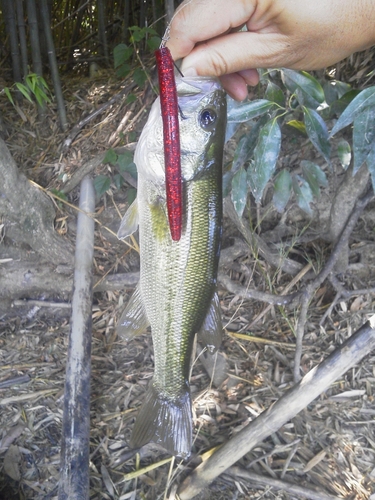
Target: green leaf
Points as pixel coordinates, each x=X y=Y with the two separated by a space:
x=132 y=136
x=131 y=98
x=43 y=83
x=131 y=195
x=24 y=91
x=363 y=100
x=275 y=94
x=283 y=185
x=370 y=161
x=305 y=99
x=118 y=180
x=121 y=53
x=139 y=76
x=239 y=191
x=344 y=153
x=123 y=70
x=138 y=33
x=8 y=94
x=363 y=136
x=124 y=160
x=304 y=81
x=59 y=194
x=110 y=157
x=330 y=92
x=240 y=154
x=342 y=88
x=125 y=164
x=101 y=184
x=317 y=131
x=132 y=169
x=153 y=43
x=31 y=81
x=297 y=124
x=41 y=96
x=339 y=106
x=314 y=175
x=227 y=183
x=249 y=110
x=303 y=193
x=266 y=153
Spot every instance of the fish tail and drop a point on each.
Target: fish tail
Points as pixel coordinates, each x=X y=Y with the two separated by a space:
x=166 y=421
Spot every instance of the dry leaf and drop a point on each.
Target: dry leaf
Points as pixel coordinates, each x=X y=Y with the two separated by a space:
x=12 y=462
x=314 y=461
x=356 y=304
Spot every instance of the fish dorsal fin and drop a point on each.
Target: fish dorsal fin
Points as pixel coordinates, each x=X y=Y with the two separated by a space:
x=129 y=223
x=133 y=320
x=210 y=333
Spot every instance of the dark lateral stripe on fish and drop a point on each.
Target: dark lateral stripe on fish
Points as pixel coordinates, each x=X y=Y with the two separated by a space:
x=165 y=421
x=171 y=134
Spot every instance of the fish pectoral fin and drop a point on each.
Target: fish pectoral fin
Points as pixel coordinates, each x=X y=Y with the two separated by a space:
x=129 y=223
x=210 y=333
x=133 y=320
x=165 y=421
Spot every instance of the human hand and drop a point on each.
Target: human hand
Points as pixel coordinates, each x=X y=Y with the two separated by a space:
x=297 y=34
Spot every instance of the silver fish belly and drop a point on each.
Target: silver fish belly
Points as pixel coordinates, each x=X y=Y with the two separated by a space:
x=176 y=292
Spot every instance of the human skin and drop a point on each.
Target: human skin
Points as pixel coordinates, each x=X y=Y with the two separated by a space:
x=296 y=34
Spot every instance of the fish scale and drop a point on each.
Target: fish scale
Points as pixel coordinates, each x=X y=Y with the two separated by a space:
x=176 y=293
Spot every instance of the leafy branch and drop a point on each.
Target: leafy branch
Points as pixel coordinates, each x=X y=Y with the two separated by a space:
x=298 y=100
x=34 y=86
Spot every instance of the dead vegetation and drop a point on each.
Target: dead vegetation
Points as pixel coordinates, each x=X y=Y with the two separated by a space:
x=329 y=446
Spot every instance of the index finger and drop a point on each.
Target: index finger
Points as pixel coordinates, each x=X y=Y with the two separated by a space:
x=199 y=20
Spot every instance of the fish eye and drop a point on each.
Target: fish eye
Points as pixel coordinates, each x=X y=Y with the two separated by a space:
x=207 y=118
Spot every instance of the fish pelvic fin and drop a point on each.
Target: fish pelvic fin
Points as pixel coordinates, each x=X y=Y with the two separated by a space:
x=133 y=320
x=210 y=333
x=165 y=421
x=129 y=223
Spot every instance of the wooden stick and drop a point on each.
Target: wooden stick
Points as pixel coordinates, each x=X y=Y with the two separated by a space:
x=74 y=465
x=294 y=489
x=296 y=399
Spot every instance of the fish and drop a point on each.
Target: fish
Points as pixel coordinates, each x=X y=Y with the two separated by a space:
x=176 y=294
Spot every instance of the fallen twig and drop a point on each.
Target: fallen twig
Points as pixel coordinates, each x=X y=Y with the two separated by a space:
x=293 y=489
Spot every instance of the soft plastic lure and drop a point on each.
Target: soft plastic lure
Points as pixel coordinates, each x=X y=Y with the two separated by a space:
x=171 y=134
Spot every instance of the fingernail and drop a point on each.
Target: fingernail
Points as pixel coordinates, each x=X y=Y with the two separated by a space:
x=190 y=71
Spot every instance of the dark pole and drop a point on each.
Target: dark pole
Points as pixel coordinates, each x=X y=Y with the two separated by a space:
x=53 y=65
x=10 y=21
x=74 y=464
x=22 y=36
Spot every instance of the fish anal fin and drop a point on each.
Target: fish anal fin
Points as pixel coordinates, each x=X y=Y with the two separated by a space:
x=165 y=421
x=133 y=320
x=210 y=333
x=129 y=222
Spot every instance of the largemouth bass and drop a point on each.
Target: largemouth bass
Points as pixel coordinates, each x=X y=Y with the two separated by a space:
x=176 y=293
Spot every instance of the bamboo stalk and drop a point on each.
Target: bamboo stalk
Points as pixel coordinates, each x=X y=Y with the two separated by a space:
x=296 y=399
x=74 y=465
x=53 y=65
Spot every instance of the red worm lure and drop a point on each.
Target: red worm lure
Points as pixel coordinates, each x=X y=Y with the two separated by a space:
x=171 y=135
